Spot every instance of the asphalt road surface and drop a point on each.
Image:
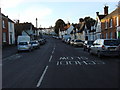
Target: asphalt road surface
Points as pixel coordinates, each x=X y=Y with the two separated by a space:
x=58 y=65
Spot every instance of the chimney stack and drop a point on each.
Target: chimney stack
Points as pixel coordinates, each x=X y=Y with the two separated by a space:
x=106 y=10
x=36 y=22
x=97 y=13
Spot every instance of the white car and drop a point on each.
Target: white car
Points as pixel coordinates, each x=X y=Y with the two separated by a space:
x=35 y=44
x=77 y=42
x=105 y=47
x=23 y=46
x=71 y=42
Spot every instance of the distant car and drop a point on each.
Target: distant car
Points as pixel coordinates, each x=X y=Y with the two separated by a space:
x=41 y=41
x=35 y=44
x=23 y=46
x=77 y=42
x=105 y=47
x=71 y=41
x=44 y=40
x=87 y=45
x=68 y=41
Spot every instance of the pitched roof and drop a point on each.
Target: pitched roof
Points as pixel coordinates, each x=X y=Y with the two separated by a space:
x=23 y=26
x=114 y=13
x=101 y=16
x=10 y=20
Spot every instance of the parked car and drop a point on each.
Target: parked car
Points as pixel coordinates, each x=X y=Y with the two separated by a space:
x=68 y=40
x=23 y=46
x=45 y=40
x=41 y=41
x=71 y=41
x=105 y=47
x=87 y=45
x=78 y=42
x=35 y=44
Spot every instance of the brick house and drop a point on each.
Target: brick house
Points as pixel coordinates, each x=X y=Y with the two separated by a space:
x=99 y=17
x=8 y=34
x=5 y=38
x=110 y=25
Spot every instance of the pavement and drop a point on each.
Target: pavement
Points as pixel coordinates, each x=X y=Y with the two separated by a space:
x=8 y=51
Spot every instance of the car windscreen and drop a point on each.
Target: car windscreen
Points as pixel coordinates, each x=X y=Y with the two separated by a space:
x=78 y=41
x=111 y=42
x=90 y=42
x=23 y=43
x=33 y=42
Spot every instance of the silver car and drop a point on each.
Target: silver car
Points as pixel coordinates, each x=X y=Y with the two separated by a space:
x=77 y=42
x=23 y=46
x=105 y=47
x=71 y=42
x=35 y=44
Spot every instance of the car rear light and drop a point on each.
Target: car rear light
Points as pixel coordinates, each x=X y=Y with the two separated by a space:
x=103 y=47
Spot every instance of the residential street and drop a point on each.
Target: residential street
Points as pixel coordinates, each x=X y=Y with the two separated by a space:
x=58 y=65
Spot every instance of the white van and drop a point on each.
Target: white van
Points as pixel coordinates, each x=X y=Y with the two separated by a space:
x=23 y=43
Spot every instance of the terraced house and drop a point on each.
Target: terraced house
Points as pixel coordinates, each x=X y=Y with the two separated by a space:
x=8 y=33
x=110 y=25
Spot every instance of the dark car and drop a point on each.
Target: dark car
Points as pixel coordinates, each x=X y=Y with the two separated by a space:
x=87 y=45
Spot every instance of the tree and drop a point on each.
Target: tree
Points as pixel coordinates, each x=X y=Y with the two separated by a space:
x=59 y=25
x=89 y=22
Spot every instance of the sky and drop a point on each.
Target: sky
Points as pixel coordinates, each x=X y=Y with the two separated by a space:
x=49 y=11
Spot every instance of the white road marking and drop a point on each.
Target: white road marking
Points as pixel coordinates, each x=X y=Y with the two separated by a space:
x=57 y=62
x=50 y=58
x=79 y=58
x=41 y=78
x=16 y=56
x=85 y=62
x=62 y=58
x=52 y=51
x=79 y=62
x=93 y=62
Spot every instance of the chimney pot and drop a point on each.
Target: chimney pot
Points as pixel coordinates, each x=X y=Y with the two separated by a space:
x=106 y=10
x=97 y=13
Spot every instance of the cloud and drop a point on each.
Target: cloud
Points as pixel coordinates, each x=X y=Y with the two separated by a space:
x=72 y=0
x=10 y=3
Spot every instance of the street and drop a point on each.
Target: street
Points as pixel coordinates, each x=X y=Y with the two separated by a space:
x=58 y=65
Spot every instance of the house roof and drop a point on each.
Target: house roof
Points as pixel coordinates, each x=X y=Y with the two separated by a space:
x=114 y=13
x=10 y=20
x=101 y=16
x=23 y=26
